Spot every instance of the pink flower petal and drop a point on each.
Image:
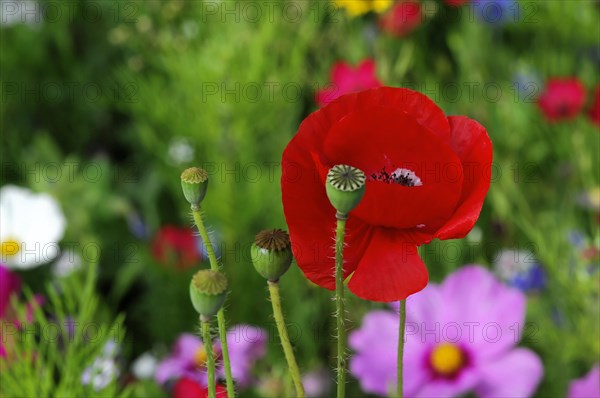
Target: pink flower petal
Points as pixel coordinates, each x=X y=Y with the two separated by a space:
x=586 y=387
x=516 y=374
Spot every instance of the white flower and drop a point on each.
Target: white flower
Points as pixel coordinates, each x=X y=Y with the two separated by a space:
x=14 y=12
x=102 y=372
x=68 y=262
x=31 y=225
x=510 y=263
x=180 y=151
x=144 y=366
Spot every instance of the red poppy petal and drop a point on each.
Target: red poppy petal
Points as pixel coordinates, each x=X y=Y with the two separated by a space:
x=310 y=217
x=472 y=144
x=188 y=388
x=419 y=106
x=389 y=270
x=386 y=138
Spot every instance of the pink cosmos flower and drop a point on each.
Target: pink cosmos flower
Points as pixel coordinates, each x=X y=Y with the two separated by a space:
x=460 y=338
x=9 y=284
x=246 y=345
x=588 y=386
x=345 y=80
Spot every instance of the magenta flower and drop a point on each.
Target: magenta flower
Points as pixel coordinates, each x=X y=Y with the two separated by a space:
x=460 y=337
x=345 y=80
x=588 y=386
x=188 y=359
x=9 y=284
x=246 y=345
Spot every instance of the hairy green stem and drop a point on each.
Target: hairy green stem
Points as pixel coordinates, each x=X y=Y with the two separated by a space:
x=214 y=265
x=210 y=360
x=401 y=346
x=285 y=340
x=339 y=301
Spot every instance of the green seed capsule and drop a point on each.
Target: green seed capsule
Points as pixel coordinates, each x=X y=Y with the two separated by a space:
x=271 y=253
x=207 y=291
x=345 y=187
x=194 y=183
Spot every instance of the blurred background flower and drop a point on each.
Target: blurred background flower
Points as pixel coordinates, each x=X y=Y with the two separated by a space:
x=32 y=226
x=359 y=7
x=247 y=344
x=187 y=360
x=586 y=387
x=460 y=337
x=402 y=18
x=346 y=80
x=520 y=269
x=562 y=98
x=104 y=369
x=105 y=103
x=188 y=388
x=10 y=284
x=176 y=247
x=496 y=12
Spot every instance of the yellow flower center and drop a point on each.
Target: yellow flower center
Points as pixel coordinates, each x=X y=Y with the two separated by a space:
x=359 y=7
x=9 y=248
x=446 y=359
x=200 y=357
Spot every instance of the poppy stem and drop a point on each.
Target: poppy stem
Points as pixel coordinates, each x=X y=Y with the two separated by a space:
x=210 y=360
x=285 y=339
x=401 y=347
x=214 y=265
x=339 y=301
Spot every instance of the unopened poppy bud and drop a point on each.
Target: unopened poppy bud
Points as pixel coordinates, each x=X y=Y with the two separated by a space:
x=271 y=253
x=207 y=291
x=194 y=182
x=345 y=187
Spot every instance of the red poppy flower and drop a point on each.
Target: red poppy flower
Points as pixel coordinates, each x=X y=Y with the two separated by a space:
x=188 y=388
x=402 y=18
x=594 y=112
x=346 y=80
x=456 y=3
x=427 y=177
x=562 y=99
x=176 y=247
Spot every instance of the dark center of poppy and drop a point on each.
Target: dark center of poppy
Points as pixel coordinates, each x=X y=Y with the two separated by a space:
x=400 y=176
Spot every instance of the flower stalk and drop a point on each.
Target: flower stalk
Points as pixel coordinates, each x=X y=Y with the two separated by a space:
x=272 y=256
x=339 y=301
x=210 y=360
x=345 y=188
x=285 y=339
x=214 y=265
x=400 y=390
x=194 y=184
